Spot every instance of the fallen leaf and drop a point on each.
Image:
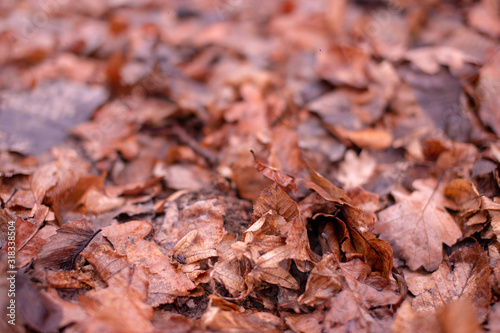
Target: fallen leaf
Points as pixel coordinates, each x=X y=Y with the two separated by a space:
x=106 y=307
x=165 y=282
x=456 y=316
x=31 y=249
x=36 y=310
x=63 y=248
x=369 y=138
x=464 y=195
x=343 y=64
x=46 y=113
x=205 y=218
x=356 y=170
x=417 y=226
x=229 y=320
x=323 y=283
x=465 y=274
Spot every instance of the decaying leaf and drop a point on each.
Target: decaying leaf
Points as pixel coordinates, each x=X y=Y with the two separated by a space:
x=126 y=293
x=417 y=226
x=355 y=171
x=465 y=274
x=323 y=283
x=464 y=195
x=374 y=180
x=457 y=316
x=37 y=311
x=196 y=230
x=165 y=281
x=223 y=317
x=63 y=248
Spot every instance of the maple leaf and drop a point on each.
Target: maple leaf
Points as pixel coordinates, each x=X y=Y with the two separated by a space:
x=417 y=226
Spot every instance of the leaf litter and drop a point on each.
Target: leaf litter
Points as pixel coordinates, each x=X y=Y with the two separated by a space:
x=281 y=167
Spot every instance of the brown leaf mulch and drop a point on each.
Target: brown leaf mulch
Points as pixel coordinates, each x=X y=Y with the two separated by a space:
x=250 y=166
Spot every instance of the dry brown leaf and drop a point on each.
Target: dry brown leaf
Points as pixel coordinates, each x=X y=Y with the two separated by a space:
x=52 y=182
x=430 y=59
x=484 y=17
x=356 y=170
x=368 y=138
x=344 y=64
x=314 y=181
x=286 y=181
x=63 y=248
x=494 y=318
x=493 y=209
x=273 y=197
x=465 y=195
x=347 y=314
x=417 y=226
x=323 y=282
x=304 y=323
x=31 y=249
x=370 y=289
x=323 y=186
x=203 y=222
x=487 y=92
x=456 y=316
x=274 y=275
x=368 y=202
x=465 y=274
x=285 y=153
x=106 y=307
x=165 y=282
x=223 y=318
x=113 y=267
x=25 y=230
x=229 y=274
x=36 y=310
x=72 y=313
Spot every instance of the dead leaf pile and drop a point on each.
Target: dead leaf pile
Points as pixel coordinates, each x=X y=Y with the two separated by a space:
x=273 y=166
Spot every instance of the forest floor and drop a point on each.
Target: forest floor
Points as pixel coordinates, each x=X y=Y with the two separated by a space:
x=249 y=166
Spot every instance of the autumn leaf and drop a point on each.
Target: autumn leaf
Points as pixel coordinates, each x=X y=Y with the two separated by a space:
x=196 y=230
x=265 y=166
x=457 y=316
x=465 y=195
x=223 y=317
x=465 y=274
x=293 y=229
x=63 y=248
x=356 y=170
x=324 y=282
x=417 y=226
x=165 y=282
x=37 y=311
x=106 y=306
